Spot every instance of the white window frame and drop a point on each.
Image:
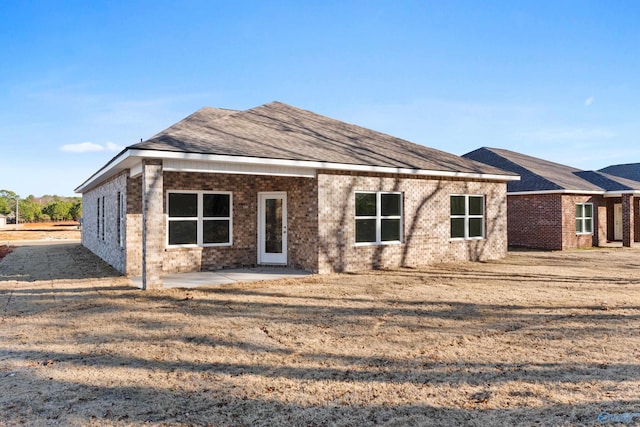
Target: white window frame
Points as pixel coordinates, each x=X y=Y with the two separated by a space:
x=200 y=219
x=468 y=216
x=379 y=217
x=584 y=218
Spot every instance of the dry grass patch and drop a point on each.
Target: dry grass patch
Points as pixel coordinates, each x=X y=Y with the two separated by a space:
x=60 y=230
x=539 y=338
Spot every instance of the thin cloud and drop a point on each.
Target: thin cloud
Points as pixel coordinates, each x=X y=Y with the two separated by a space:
x=113 y=147
x=89 y=147
x=589 y=101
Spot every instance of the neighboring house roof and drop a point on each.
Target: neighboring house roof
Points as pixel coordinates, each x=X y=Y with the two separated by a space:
x=628 y=171
x=538 y=175
x=281 y=135
x=609 y=182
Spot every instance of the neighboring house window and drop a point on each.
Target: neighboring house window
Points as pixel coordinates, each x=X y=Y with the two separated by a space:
x=467 y=217
x=102 y=220
x=584 y=218
x=121 y=220
x=378 y=217
x=199 y=218
x=98 y=218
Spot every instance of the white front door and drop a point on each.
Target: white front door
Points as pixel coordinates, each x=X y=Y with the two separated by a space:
x=617 y=221
x=272 y=228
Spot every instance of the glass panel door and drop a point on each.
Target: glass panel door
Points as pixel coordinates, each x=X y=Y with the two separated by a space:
x=272 y=228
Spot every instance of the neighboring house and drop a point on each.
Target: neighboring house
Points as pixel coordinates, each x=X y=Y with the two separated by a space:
x=279 y=185
x=3 y=220
x=558 y=207
x=628 y=171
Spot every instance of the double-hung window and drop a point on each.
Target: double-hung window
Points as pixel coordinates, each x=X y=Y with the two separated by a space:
x=378 y=217
x=584 y=218
x=199 y=218
x=467 y=216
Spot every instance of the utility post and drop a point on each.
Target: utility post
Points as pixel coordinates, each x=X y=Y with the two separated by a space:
x=17 y=213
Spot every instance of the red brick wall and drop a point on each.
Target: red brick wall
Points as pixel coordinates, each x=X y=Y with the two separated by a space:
x=548 y=221
x=535 y=221
x=570 y=239
x=610 y=202
x=636 y=210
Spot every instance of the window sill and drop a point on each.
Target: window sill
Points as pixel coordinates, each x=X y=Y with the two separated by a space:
x=394 y=242
x=466 y=239
x=215 y=245
x=181 y=247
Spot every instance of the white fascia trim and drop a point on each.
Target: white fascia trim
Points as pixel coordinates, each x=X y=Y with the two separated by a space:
x=104 y=172
x=532 y=193
x=619 y=193
x=316 y=165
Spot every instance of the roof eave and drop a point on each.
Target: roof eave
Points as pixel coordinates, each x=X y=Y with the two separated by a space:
x=618 y=193
x=116 y=165
x=562 y=191
x=105 y=172
x=158 y=154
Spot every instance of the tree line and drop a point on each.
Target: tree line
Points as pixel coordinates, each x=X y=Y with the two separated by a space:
x=45 y=208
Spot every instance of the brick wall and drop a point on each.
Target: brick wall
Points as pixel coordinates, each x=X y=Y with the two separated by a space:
x=570 y=239
x=636 y=221
x=134 y=226
x=610 y=203
x=548 y=221
x=535 y=221
x=104 y=243
x=153 y=237
x=301 y=218
x=321 y=221
x=426 y=220
x=628 y=220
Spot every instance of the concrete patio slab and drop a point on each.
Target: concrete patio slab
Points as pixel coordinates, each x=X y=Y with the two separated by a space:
x=222 y=277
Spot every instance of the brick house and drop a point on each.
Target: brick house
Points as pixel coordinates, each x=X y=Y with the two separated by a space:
x=558 y=207
x=280 y=185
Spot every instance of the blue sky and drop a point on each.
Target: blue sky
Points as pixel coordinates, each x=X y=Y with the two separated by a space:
x=81 y=80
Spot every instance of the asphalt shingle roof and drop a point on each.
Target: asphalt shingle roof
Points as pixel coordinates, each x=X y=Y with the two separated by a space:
x=628 y=171
x=541 y=175
x=280 y=131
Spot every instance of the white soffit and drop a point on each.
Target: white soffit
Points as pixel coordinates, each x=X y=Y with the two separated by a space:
x=181 y=165
x=305 y=164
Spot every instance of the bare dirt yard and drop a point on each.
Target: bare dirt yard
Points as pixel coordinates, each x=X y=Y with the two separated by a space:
x=539 y=338
x=63 y=230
